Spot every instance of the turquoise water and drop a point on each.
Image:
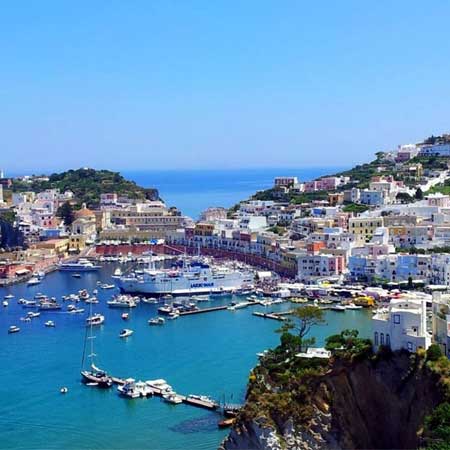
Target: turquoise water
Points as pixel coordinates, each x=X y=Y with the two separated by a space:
x=209 y=354
x=192 y=191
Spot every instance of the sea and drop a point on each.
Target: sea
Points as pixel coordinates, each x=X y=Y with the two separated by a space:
x=207 y=354
x=192 y=191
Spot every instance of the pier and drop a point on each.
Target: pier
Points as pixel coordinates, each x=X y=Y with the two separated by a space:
x=203 y=310
x=272 y=316
x=195 y=401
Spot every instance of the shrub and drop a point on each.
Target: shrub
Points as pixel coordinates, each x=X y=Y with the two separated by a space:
x=434 y=352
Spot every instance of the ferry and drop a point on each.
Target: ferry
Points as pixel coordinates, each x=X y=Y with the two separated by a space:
x=82 y=265
x=195 y=278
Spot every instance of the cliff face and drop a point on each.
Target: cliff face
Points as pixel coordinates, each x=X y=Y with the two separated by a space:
x=372 y=404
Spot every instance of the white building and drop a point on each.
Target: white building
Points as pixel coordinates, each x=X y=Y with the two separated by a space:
x=435 y=150
x=252 y=223
x=402 y=325
x=1 y=193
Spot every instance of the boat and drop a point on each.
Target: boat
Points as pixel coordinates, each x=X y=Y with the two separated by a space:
x=172 y=398
x=197 y=277
x=92 y=300
x=40 y=296
x=125 y=333
x=82 y=265
x=353 y=306
x=94 y=374
x=5 y=303
x=49 y=305
x=33 y=315
x=226 y=423
x=174 y=315
x=125 y=316
x=8 y=297
x=13 y=329
x=49 y=324
x=96 y=319
x=33 y=281
x=29 y=303
x=338 y=308
x=122 y=301
x=134 y=389
x=76 y=275
x=156 y=321
x=83 y=294
x=150 y=300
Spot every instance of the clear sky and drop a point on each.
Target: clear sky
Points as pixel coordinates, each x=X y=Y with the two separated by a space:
x=215 y=84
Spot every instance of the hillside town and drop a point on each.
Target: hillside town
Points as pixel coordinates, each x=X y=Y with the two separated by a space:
x=384 y=224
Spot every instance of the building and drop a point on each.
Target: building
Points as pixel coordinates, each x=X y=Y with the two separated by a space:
x=440 y=149
x=438 y=200
x=1 y=193
x=364 y=227
x=285 y=182
x=321 y=265
x=214 y=213
x=441 y=321
x=402 y=325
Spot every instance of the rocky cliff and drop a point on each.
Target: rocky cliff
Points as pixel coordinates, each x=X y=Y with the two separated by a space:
x=372 y=403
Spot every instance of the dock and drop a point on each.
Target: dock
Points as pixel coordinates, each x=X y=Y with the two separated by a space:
x=269 y=316
x=187 y=399
x=203 y=310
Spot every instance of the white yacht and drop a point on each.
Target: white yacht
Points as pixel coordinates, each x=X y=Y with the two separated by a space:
x=33 y=281
x=96 y=319
x=122 y=301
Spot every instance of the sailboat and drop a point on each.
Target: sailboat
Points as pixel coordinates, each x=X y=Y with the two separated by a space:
x=94 y=375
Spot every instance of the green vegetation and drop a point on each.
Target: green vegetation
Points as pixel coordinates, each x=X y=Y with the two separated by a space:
x=277 y=230
x=65 y=212
x=443 y=188
x=280 y=387
x=430 y=162
x=8 y=216
x=348 y=345
x=421 y=251
x=87 y=185
x=355 y=208
x=404 y=197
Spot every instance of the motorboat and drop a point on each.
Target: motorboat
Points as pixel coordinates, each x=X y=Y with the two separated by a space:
x=157 y=321
x=352 y=306
x=29 y=303
x=125 y=333
x=125 y=316
x=122 y=301
x=108 y=286
x=172 y=398
x=93 y=300
x=83 y=294
x=76 y=311
x=49 y=305
x=76 y=275
x=33 y=281
x=49 y=324
x=33 y=315
x=151 y=300
x=174 y=315
x=338 y=308
x=8 y=297
x=5 y=303
x=96 y=319
x=134 y=389
x=13 y=329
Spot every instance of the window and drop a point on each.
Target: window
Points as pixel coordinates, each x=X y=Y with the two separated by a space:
x=410 y=346
x=381 y=338
x=397 y=318
x=388 y=340
x=376 y=338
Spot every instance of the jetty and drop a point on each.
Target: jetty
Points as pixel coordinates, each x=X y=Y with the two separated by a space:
x=203 y=310
x=272 y=316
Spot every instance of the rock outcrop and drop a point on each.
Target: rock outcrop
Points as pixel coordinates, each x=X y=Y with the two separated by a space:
x=377 y=403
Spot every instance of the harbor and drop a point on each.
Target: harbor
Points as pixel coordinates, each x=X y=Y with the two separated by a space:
x=222 y=342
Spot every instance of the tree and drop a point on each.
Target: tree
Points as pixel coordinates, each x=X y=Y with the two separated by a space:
x=433 y=352
x=419 y=194
x=404 y=197
x=65 y=212
x=307 y=317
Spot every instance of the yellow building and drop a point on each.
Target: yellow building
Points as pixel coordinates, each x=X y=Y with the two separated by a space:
x=56 y=247
x=364 y=227
x=77 y=242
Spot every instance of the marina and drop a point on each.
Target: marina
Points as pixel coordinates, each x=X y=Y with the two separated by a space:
x=224 y=343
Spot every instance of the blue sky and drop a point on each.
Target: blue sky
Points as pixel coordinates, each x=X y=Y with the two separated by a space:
x=196 y=84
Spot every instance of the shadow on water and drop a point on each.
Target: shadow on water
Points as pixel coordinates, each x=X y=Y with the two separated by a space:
x=203 y=424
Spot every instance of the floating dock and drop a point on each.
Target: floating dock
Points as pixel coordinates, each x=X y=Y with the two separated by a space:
x=269 y=316
x=203 y=310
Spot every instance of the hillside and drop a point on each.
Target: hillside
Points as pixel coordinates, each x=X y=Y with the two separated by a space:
x=87 y=185
x=356 y=400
